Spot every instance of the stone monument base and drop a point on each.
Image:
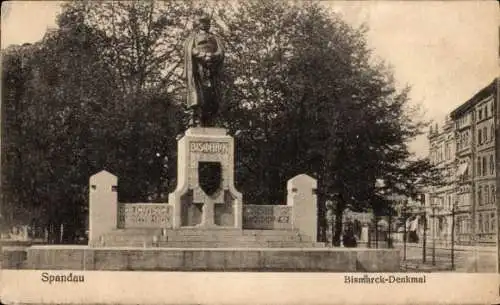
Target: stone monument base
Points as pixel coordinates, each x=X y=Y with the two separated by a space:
x=215 y=259
x=207 y=238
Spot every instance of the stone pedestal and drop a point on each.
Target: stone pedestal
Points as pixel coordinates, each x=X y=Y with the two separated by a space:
x=202 y=151
x=301 y=195
x=103 y=205
x=364 y=239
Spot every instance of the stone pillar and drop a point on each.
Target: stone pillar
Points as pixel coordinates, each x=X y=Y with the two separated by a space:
x=24 y=233
x=206 y=145
x=364 y=238
x=301 y=195
x=103 y=205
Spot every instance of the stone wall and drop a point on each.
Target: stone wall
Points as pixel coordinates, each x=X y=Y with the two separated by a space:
x=328 y=260
x=107 y=214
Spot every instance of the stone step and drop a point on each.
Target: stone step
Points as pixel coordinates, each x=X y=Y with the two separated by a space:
x=206 y=238
x=206 y=235
x=135 y=232
x=199 y=231
x=272 y=244
x=194 y=238
x=227 y=238
x=214 y=244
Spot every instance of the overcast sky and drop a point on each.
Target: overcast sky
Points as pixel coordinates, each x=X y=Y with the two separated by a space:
x=446 y=51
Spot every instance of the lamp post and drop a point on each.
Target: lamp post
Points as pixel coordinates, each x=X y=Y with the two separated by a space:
x=405 y=237
x=389 y=240
x=424 y=242
x=453 y=236
x=434 y=206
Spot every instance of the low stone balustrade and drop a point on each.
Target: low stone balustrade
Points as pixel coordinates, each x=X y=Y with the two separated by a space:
x=107 y=214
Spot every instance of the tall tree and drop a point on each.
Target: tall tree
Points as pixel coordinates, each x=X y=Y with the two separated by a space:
x=307 y=96
x=142 y=47
x=302 y=94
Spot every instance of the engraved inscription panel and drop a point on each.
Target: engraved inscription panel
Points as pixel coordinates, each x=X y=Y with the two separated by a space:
x=203 y=151
x=209 y=147
x=267 y=217
x=145 y=215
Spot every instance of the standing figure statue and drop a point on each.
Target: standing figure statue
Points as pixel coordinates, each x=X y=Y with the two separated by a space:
x=203 y=58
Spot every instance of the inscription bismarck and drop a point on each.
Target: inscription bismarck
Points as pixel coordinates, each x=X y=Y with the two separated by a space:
x=209 y=147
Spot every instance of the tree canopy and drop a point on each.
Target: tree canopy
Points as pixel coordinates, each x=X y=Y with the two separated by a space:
x=302 y=93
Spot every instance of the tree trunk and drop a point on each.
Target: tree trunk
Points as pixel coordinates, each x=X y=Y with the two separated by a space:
x=322 y=222
x=338 y=226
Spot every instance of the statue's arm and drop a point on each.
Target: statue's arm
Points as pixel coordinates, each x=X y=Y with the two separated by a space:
x=187 y=56
x=219 y=54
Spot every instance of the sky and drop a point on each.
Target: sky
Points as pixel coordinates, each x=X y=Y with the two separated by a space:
x=446 y=51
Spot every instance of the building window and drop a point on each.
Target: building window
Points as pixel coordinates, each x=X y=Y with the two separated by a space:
x=479 y=197
x=486 y=194
x=492 y=165
x=480 y=136
x=485 y=167
x=492 y=133
x=480 y=223
x=485 y=135
x=492 y=222
x=486 y=223
x=480 y=115
x=493 y=194
x=448 y=151
x=478 y=167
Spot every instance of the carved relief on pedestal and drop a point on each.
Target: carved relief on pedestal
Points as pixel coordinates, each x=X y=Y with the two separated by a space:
x=207 y=171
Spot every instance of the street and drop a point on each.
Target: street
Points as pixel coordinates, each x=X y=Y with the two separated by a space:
x=465 y=261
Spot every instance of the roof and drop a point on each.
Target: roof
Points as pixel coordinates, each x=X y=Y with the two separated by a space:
x=479 y=96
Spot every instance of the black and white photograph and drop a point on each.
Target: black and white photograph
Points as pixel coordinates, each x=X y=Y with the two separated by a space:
x=249 y=138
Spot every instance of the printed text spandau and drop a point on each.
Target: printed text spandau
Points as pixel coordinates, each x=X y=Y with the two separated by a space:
x=66 y=277
x=385 y=279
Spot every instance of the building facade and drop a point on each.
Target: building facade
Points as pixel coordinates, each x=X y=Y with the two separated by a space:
x=441 y=198
x=475 y=168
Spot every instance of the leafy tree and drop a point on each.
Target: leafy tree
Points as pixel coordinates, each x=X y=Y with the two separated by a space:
x=15 y=76
x=306 y=95
x=302 y=94
x=142 y=45
x=70 y=118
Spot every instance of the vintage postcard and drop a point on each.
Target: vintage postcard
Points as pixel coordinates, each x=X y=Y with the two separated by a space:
x=250 y=152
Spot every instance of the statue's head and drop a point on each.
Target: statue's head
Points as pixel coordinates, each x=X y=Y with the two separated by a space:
x=204 y=23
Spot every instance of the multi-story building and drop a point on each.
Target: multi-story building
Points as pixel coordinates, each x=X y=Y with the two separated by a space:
x=474 y=124
x=464 y=131
x=497 y=157
x=441 y=198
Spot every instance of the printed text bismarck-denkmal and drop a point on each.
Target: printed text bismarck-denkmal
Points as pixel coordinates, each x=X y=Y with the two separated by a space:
x=385 y=279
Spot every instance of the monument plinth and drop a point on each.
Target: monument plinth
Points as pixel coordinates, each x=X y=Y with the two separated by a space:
x=205 y=195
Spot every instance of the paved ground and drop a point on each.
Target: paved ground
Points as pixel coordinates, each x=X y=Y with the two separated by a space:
x=466 y=259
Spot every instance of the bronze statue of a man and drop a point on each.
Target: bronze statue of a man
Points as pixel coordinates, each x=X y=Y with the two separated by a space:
x=203 y=58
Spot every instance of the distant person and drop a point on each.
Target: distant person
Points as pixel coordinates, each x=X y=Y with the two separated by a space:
x=349 y=238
